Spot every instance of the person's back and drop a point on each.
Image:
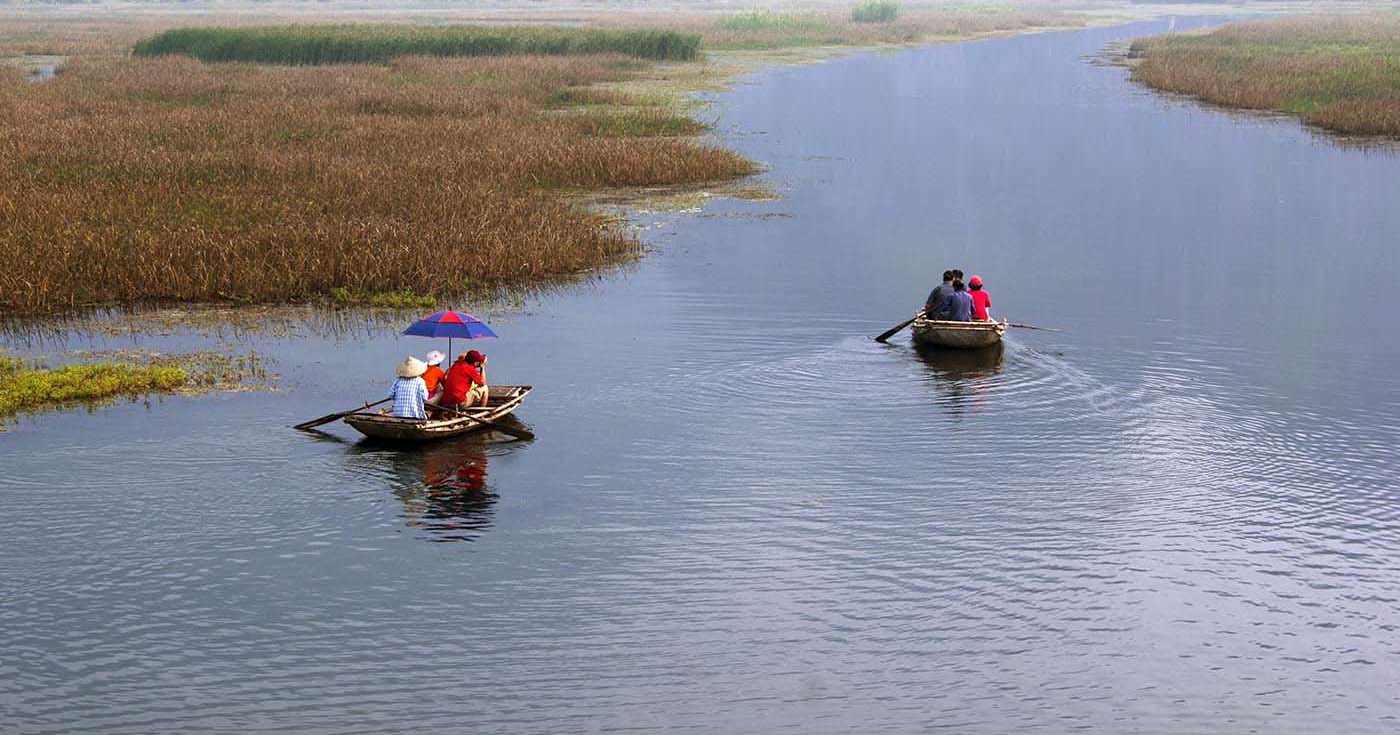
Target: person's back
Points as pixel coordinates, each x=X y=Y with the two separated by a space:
x=936 y=307
x=408 y=391
x=981 y=300
x=959 y=308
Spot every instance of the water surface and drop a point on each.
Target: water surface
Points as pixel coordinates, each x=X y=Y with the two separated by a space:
x=741 y=514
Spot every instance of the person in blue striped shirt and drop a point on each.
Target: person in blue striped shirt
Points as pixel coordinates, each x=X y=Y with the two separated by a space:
x=409 y=391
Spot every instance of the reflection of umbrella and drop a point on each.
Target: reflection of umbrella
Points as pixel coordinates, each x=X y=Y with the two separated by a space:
x=450 y=324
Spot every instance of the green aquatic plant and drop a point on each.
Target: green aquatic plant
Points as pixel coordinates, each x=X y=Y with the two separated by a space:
x=377 y=44
x=28 y=386
x=875 y=11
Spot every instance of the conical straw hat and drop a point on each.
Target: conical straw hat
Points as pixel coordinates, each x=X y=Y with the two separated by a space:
x=411 y=367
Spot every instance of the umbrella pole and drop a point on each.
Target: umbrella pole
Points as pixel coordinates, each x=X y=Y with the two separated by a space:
x=449 y=350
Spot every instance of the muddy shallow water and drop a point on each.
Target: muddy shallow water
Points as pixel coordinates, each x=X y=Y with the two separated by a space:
x=741 y=514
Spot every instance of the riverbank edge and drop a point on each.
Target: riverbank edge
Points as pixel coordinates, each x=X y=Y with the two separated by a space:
x=1133 y=54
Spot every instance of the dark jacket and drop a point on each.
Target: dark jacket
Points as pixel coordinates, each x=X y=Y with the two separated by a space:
x=937 y=305
x=959 y=307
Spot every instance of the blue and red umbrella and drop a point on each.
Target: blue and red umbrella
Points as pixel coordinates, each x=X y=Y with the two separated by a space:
x=450 y=324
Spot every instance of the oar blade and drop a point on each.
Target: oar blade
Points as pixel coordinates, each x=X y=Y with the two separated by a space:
x=895 y=329
x=313 y=423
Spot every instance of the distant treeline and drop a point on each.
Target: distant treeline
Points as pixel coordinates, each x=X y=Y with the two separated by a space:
x=370 y=44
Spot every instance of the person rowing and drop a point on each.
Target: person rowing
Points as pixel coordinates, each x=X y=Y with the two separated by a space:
x=936 y=307
x=408 y=391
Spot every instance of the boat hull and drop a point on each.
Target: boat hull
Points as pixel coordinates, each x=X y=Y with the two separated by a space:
x=959 y=335
x=380 y=425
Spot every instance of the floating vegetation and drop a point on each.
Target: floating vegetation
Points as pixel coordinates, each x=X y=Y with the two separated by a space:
x=27 y=385
x=378 y=44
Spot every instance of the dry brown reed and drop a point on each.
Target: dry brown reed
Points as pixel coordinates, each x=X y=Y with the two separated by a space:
x=139 y=179
x=1338 y=72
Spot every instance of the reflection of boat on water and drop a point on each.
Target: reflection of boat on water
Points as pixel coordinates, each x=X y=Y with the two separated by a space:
x=954 y=363
x=964 y=377
x=442 y=487
x=961 y=335
x=380 y=425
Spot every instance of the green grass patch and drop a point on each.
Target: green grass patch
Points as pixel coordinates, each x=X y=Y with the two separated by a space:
x=26 y=386
x=875 y=11
x=763 y=20
x=403 y=299
x=377 y=44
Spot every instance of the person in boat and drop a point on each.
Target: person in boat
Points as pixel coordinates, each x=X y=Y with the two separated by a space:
x=465 y=384
x=981 y=301
x=409 y=392
x=432 y=377
x=936 y=305
x=959 y=303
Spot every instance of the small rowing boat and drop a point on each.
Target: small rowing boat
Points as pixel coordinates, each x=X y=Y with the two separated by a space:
x=963 y=335
x=503 y=399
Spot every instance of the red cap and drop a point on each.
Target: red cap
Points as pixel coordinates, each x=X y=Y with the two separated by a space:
x=975 y=281
x=473 y=356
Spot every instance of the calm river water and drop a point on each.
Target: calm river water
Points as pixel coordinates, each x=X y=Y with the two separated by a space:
x=1179 y=515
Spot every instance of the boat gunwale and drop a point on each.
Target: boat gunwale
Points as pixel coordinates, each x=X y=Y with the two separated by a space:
x=440 y=426
x=985 y=325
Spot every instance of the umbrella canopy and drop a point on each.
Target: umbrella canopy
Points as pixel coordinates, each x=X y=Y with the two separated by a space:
x=458 y=324
x=450 y=324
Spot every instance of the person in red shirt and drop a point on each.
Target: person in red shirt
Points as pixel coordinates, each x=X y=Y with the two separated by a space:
x=465 y=384
x=981 y=301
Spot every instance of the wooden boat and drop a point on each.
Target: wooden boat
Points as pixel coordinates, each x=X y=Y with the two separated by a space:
x=964 y=335
x=380 y=425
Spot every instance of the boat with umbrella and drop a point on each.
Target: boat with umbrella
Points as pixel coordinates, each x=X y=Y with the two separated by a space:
x=501 y=402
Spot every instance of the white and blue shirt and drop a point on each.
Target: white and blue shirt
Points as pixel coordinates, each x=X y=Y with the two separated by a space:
x=408 y=395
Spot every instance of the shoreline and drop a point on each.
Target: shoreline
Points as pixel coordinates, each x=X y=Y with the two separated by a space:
x=1332 y=86
x=666 y=88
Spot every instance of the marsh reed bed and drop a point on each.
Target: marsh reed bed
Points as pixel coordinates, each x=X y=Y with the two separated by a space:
x=168 y=178
x=377 y=44
x=869 y=23
x=1341 y=73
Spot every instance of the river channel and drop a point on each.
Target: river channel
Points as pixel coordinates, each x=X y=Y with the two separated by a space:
x=1181 y=514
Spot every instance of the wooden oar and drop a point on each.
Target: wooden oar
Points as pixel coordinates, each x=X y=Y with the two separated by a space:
x=332 y=417
x=1032 y=326
x=515 y=431
x=893 y=330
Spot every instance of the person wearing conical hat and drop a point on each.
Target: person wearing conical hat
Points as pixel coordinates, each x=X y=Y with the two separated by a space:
x=409 y=392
